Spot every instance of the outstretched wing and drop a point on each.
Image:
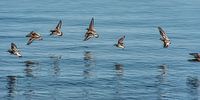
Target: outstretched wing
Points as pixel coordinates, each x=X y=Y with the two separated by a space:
x=35 y=35
x=87 y=37
x=120 y=41
x=163 y=34
x=91 y=26
x=13 y=47
x=196 y=55
x=30 y=40
x=29 y=35
x=59 y=25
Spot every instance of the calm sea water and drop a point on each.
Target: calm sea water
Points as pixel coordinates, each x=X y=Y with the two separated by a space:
x=66 y=68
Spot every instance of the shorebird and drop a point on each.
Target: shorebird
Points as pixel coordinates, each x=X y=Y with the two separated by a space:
x=196 y=56
x=164 y=38
x=57 y=30
x=120 y=43
x=33 y=36
x=91 y=32
x=14 y=50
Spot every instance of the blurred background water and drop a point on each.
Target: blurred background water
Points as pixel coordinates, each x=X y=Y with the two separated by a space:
x=67 y=68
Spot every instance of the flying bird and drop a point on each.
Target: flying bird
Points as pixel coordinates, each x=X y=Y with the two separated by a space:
x=91 y=32
x=57 y=31
x=33 y=36
x=120 y=43
x=14 y=50
x=196 y=56
x=164 y=38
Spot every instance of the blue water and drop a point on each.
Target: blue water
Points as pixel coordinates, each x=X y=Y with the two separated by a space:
x=66 y=68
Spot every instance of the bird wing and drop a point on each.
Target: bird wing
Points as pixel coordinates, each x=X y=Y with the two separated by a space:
x=13 y=47
x=30 y=40
x=59 y=25
x=29 y=34
x=87 y=37
x=196 y=55
x=120 y=41
x=163 y=33
x=91 y=26
x=35 y=35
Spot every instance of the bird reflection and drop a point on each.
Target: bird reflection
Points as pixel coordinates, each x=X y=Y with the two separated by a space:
x=161 y=80
x=85 y=94
x=193 y=83
x=119 y=69
x=88 y=58
x=55 y=72
x=28 y=91
x=11 y=85
x=88 y=63
x=163 y=72
x=29 y=65
x=55 y=64
x=118 y=79
x=29 y=69
x=88 y=72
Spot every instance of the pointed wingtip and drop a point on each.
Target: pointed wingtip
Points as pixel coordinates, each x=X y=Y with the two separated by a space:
x=85 y=39
x=28 y=43
x=193 y=53
x=13 y=45
x=159 y=28
x=92 y=20
x=9 y=50
x=190 y=53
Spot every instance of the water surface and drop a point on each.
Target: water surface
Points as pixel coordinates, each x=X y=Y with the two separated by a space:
x=68 y=68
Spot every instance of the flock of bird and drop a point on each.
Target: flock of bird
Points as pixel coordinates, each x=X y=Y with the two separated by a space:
x=90 y=33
